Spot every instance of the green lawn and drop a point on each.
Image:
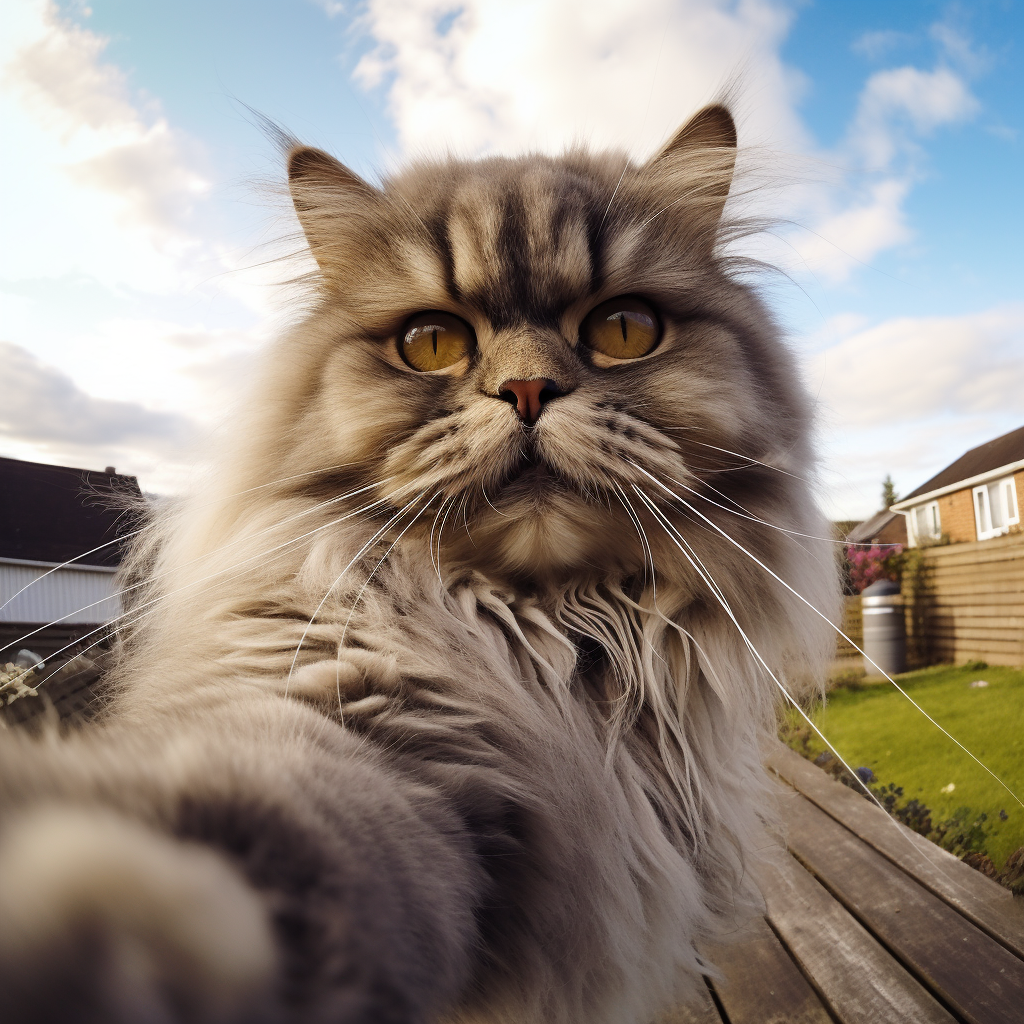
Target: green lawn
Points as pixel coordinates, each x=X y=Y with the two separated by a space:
x=874 y=725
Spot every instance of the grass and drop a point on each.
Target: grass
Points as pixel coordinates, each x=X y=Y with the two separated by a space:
x=871 y=724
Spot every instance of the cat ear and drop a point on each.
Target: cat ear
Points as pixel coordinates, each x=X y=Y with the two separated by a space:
x=334 y=206
x=699 y=160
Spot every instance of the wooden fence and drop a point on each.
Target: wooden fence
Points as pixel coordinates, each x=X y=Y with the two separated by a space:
x=965 y=602
x=853 y=627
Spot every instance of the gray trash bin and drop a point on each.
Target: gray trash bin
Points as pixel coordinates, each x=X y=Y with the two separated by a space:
x=885 y=631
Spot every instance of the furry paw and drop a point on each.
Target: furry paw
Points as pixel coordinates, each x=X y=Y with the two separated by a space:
x=102 y=919
x=356 y=682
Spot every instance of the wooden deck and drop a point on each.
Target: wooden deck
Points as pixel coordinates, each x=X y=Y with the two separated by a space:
x=866 y=923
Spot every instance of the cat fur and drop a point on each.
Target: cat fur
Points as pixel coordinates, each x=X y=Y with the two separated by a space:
x=498 y=757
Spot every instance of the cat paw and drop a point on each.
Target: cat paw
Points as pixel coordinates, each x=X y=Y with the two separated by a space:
x=103 y=919
x=355 y=676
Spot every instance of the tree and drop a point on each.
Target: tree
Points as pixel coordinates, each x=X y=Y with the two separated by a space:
x=889 y=495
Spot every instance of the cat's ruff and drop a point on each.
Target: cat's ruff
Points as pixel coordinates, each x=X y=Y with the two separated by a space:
x=437 y=703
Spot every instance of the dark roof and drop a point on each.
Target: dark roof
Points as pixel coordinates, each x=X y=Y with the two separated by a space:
x=991 y=455
x=862 y=533
x=55 y=513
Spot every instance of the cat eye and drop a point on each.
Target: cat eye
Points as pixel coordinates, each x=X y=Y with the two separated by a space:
x=623 y=328
x=434 y=340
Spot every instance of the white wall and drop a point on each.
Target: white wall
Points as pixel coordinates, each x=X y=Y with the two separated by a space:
x=74 y=594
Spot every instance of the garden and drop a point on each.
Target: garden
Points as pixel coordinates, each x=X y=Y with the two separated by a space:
x=920 y=774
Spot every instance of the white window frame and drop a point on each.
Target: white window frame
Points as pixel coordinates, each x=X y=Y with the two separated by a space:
x=995 y=507
x=930 y=511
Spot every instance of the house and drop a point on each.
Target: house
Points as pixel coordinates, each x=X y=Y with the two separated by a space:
x=975 y=498
x=51 y=516
x=882 y=528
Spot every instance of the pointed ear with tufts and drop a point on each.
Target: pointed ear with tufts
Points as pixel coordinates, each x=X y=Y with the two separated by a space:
x=699 y=159
x=335 y=207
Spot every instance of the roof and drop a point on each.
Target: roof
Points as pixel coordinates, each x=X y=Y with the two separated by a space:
x=863 y=532
x=56 y=513
x=988 y=456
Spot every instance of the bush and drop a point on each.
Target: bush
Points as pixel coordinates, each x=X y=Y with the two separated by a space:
x=878 y=562
x=965 y=834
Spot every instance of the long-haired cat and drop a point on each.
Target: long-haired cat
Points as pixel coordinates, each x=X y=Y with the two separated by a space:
x=446 y=697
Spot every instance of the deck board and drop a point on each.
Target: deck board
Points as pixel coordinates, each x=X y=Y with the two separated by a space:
x=967 y=968
x=762 y=984
x=855 y=973
x=700 y=1010
x=987 y=904
x=866 y=923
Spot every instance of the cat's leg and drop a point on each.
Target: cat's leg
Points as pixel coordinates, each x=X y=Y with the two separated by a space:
x=104 y=919
x=264 y=865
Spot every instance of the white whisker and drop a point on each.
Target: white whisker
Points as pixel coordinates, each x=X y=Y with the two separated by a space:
x=489 y=502
x=71 y=561
x=691 y=556
x=822 y=615
x=238 y=540
x=362 y=590
x=748 y=458
x=359 y=554
x=125 y=617
x=173 y=515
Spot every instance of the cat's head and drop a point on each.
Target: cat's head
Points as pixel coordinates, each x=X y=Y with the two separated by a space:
x=520 y=345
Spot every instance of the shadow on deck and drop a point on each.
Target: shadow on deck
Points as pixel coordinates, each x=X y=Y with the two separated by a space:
x=867 y=923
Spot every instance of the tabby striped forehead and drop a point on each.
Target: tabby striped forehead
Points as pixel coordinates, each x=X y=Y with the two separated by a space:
x=519 y=243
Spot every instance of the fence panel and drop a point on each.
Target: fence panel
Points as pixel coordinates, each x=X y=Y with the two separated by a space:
x=966 y=603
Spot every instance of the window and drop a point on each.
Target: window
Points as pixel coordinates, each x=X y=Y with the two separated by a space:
x=925 y=523
x=995 y=508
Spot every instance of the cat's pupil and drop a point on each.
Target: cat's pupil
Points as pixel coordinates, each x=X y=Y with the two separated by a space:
x=434 y=339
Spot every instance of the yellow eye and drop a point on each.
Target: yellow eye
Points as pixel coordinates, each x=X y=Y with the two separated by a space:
x=434 y=340
x=623 y=328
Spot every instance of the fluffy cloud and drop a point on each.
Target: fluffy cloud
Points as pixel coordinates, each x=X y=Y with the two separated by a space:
x=909 y=395
x=849 y=238
x=484 y=76
x=881 y=157
x=901 y=103
x=917 y=368
x=100 y=185
x=45 y=413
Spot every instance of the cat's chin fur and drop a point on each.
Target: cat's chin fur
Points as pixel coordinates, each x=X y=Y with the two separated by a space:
x=466 y=707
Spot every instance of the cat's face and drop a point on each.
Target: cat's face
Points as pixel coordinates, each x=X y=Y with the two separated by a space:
x=519 y=343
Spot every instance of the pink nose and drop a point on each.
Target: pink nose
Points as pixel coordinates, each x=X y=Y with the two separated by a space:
x=529 y=396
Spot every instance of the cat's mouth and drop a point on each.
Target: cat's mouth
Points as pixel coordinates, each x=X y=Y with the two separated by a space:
x=532 y=473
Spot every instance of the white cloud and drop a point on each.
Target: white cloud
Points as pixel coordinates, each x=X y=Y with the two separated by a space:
x=106 y=216
x=852 y=237
x=486 y=76
x=899 y=99
x=46 y=416
x=909 y=395
x=100 y=185
x=915 y=368
x=881 y=157
x=874 y=45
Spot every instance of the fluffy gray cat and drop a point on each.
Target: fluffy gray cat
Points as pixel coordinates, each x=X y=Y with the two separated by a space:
x=446 y=698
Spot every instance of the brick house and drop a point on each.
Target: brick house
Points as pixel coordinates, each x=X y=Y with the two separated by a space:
x=976 y=498
x=883 y=527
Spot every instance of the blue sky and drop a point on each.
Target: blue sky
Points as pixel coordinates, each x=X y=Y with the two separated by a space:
x=141 y=212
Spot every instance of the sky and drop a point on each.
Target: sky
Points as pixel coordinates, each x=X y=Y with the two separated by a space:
x=142 y=209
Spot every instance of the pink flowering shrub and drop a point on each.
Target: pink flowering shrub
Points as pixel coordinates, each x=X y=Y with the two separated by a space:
x=878 y=562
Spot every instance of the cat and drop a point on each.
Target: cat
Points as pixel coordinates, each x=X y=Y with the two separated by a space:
x=446 y=697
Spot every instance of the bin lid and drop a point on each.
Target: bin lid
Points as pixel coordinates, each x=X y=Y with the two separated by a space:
x=881 y=588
